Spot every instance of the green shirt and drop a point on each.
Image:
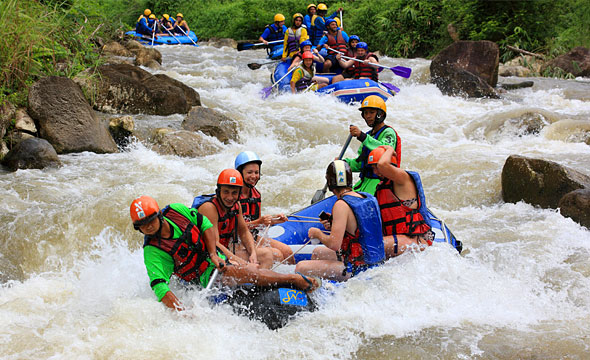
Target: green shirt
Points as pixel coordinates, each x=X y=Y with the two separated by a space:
x=158 y=263
x=387 y=137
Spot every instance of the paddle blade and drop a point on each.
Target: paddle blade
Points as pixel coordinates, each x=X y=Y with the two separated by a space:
x=244 y=46
x=391 y=87
x=318 y=196
x=254 y=66
x=401 y=71
x=266 y=92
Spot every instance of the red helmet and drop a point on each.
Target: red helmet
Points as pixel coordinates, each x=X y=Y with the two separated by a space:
x=143 y=210
x=377 y=153
x=230 y=177
x=307 y=55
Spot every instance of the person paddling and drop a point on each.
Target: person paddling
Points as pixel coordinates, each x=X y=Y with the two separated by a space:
x=142 y=26
x=402 y=202
x=304 y=75
x=362 y=69
x=166 y=25
x=275 y=31
x=294 y=36
x=355 y=243
x=181 y=241
x=373 y=110
x=249 y=164
x=319 y=23
x=298 y=56
x=181 y=26
x=336 y=39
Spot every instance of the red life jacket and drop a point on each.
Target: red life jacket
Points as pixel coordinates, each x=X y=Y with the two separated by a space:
x=227 y=223
x=398 y=218
x=351 y=250
x=365 y=70
x=188 y=251
x=337 y=43
x=251 y=205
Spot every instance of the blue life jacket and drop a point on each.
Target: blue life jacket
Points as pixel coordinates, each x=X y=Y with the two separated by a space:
x=368 y=218
x=367 y=170
x=275 y=33
x=318 y=26
x=142 y=27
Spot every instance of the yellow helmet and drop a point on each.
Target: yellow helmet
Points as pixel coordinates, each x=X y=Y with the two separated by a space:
x=374 y=102
x=322 y=7
x=310 y=5
x=279 y=17
x=152 y=16
x=180 y=14
x=296 y=15
x=166 y=16
x=337 y=21
x=147 y=12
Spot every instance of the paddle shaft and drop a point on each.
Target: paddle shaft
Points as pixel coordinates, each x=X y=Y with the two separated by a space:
x=154 y=32
x=268 y=90
x=185 y=34
x=212 y=279
x=175 y=38
x=249 y=46
x=320 y=194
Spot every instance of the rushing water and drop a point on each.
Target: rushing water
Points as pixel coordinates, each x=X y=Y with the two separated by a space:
x=73 y=284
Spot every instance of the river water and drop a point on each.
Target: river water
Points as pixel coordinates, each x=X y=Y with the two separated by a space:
x=73 y=283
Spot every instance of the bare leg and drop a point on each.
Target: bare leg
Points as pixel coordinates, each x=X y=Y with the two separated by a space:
x=285 y=251
x=327 y=269
x=323 y=253
x=242 y=274
x=263 y=254
x=337 y=78
x=327 y=66
x=404 y=242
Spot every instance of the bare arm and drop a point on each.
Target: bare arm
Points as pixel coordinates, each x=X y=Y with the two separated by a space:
x=395 y=174
x=334 y=240
x=246 y=237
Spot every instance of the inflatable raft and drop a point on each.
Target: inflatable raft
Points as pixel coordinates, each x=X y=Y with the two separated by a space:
x=355 y=90
x=165 y=39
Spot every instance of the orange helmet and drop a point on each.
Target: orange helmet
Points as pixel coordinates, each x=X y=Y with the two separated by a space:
x=230 y=177
x=143 y=210
x=377 y=153
x=307 y=55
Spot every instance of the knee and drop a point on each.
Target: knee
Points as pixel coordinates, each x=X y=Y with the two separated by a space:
x=302 y=266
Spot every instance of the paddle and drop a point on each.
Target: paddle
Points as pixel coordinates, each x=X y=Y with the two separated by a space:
x=390 y=87
x=168 y=31
x=398 y=70
x=212 y=279
x=154 y=32
x=185 y=34
x=341 y=23
x=246 y=46
x=266 y=91
x=321 y=194
x=256 y=66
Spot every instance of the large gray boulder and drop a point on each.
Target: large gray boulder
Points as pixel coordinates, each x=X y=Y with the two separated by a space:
x=125 y=88
x=183 y=143
x=467 y=68
x=539 y=182
x=212 y=123
x=576 y=205
x=575 y=62
x=34 y=153
x=65 y=119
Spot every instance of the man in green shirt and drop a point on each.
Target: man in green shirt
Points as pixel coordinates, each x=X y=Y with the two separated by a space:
x=374 y=111
x=180 y=241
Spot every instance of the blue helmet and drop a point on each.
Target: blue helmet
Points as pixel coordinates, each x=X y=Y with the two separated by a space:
x=362 y=45
x=329 y=21
x=246 y=157
x=305 y=43
x=354 y=37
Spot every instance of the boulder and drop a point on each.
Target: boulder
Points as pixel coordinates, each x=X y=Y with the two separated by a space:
x=576 y=205
x=24 y=123
x=3 y=149
x=539 y=182
x=121 y=128
x=221 y=42
x=514 y=70
x=183 y=143
x=576 y=62
x=129 y=89
x=132 y=45
x=144 y=56
x=7 y=113
x=212 y=123
x=34 y=153
x=458 y=67
x=14 y=137
x=65 y=119
x=114 y=48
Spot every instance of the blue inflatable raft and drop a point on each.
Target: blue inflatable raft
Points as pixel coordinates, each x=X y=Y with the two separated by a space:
x=294 y=233
x=355 y=90
x=161 y=39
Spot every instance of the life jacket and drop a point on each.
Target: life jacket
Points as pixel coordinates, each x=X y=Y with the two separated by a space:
x=365 y=70
x=276 y=33
x=251 y=205
x=177 y=27
x=367 y=170
x=365 y=248
x=337 y=42
x=188 y=251
x=293 y=39
x=306 y=79
x=398 y=218
x=227 y=222
x=318 y=26
x=142 y=26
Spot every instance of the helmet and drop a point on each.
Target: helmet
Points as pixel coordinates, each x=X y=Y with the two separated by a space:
x=305 y=43
x=354 y=37
x=152 y=16
x=311 y=5
x=296 y=15
x=143 y=210
x=279 y=17
x=307 y=55
x=375 y=102
x=338 y=174
x=376 y=154
x=180 y=14
x=329 y=21
x=337 y=21
x=166 y=16
x=362 y=45
x=322 y=7
x=246 y=157
x=147 y=12
x=230 y=177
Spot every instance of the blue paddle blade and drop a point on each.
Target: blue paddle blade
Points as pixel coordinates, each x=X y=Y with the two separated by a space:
x=266 y=92
x=390 y=87
x=401 y=71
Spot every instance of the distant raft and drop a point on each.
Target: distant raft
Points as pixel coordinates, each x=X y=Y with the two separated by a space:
x=191 y=39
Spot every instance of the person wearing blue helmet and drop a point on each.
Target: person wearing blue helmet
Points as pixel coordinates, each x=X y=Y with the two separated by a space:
x=304 y=47
x=352 y=41
x=360 y=68
x=248 y=164
x=335 y=39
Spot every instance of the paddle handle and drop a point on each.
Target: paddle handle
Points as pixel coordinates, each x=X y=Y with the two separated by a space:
x=212 y=279
x=154 y=32
x=345 y=147
x=284 y=76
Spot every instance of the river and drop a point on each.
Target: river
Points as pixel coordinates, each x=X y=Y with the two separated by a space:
x=73 y=284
